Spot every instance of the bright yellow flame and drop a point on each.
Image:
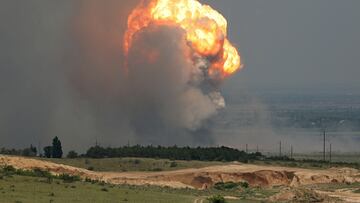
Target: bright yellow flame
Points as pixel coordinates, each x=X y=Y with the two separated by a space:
x=206 y=29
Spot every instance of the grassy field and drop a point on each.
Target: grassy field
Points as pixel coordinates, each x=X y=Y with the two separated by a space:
x=30 y=189
x=132 y=164
x=17 y=189
x=336 y=157
x=36 y=189
x=148 y=164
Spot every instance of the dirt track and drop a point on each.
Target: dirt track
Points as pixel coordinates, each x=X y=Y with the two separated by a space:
x=255 y=175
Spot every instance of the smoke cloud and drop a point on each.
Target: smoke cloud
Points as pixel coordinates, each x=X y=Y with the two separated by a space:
x=63 y=74
x=164 y=88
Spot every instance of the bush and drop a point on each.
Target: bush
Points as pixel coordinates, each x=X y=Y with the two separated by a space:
x=244 y=184
x=230 y=185
x=72 y=154
x=8 y=170
x=41 y=173
x=225 y=186
x=69 y=178
x=173 y=164
x=104 y=189
x=137 y=161
x=216 y=199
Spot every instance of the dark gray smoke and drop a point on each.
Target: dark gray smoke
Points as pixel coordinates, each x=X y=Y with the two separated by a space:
x=163 y=102
x=62 y=74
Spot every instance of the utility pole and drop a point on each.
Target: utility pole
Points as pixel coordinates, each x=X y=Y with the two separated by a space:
x=39 y=150
x=291 y=152
x=330 y=154
x=246 y=148
x=280 y=149
x=324 y=150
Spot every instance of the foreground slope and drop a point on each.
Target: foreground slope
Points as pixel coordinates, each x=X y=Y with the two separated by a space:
x=201 y=178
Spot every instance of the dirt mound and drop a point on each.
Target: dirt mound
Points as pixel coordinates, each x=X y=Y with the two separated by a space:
x=264 y=176
x=299 y=195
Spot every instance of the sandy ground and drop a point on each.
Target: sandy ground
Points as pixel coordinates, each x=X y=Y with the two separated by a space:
x=255 y=175
x=346 y=195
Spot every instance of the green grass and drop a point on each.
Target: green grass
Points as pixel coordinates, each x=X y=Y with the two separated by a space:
x=336 y=157
x=305 y=164
x=149 y=164
x=132 y=164
x=18 y=188
x=31 y=189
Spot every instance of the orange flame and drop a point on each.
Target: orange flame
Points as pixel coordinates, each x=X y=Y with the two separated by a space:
x=205 y=28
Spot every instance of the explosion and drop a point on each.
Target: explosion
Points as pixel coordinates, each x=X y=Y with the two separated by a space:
x=205 y=31
x=177 y=54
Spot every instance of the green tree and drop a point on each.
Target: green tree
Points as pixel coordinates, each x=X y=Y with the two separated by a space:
x=56 y=148
x=48 y=151
x=72 y=155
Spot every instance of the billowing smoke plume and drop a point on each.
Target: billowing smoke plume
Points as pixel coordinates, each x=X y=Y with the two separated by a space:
x=159 y=92
x=64 y=73
x=165 y=93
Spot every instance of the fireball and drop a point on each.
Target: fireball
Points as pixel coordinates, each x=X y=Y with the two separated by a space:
x=205 y=28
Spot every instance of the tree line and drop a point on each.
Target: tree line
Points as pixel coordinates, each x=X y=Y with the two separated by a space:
x=171 y=152
x=174 y=153
x=51 y=151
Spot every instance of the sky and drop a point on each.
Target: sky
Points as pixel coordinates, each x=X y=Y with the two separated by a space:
x=59 y=60
x=295 y=43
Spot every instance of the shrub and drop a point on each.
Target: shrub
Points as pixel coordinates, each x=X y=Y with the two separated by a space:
x=244 y=184
x=216 y=199
x=230 y=185
x=92 y=181
x=173 y=164
x=72 y=154
x=69 y=178
x=41 y=173
x=225 y=186
x=8 y=169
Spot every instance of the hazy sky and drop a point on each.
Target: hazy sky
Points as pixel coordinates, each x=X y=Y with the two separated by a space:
x=295 y=43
